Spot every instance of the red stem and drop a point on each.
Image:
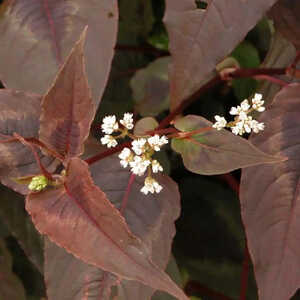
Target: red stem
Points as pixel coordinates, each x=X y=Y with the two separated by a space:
x=107 y=153
x=127 y=192
x=271 y=79
x=231 y=181
x=194 y=287
x=35 y=154
x=239 y=73
x=187 y=102
x=245 y=274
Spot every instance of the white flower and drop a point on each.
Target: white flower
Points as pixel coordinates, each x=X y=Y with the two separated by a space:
x=156 y=141
x=127 y=120
x=220 y=124
x=245 y=105
x=139 y=165
x=257 y=103
x=139 y=146
x=109 y=140
x=156 y=166
x=256 y=126
x=126 y=157
x=238 y=128
x=240 y=109
x=109 y=124
x=151 y=185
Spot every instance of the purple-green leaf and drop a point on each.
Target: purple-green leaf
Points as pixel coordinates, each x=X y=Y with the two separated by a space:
x=37 y=36
x=215 y=152
x=67 y=108
x=19 y=112
x=80 y=218
x=201 y=38
x=270 y=200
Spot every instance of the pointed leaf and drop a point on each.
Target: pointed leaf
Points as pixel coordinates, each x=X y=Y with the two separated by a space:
x=156 y=228
x=215 y=152
x=19 y=112
x=201 y=38
x=67 y=108
x=270 y=200
x=80 y=218
x=37 y=36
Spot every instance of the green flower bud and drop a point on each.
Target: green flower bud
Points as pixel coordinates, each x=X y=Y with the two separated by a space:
x=38 y=183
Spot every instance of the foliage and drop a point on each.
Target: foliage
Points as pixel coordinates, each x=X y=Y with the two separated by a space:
x=93 y=228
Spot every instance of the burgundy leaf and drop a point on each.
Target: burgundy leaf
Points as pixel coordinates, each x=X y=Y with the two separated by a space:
x=19 y=112
x=151 y=218
x=67 y=108
x=69 y=278
x=80 y=218
x=270 y=200
x=213 y=152
x=37 y=36
x=200 y=39
x=285 y=14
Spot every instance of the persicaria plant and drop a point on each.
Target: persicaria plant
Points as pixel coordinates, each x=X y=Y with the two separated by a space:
x=100 y=201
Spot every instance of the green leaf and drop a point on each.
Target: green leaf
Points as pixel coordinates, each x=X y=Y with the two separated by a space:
x=248 y=57
x=144 y=125
x=150 y=87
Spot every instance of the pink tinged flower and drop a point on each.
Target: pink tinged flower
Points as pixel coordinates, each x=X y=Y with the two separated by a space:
x=109 y=124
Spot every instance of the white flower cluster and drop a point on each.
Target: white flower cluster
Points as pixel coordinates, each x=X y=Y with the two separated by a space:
x=110 y=125
x=139 y=157
x=242 y=122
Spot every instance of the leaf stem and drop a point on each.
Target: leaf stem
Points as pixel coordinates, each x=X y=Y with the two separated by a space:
x=271 y=79
x=238 y=73
x=245 y=273
x=107 y=153
x=127 y=192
